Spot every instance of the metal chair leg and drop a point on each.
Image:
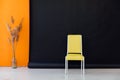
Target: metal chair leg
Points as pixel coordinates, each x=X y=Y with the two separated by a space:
x=84 y=69
x=81 y=69
x=66 y=70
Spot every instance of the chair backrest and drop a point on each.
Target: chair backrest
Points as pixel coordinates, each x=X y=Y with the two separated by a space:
x=74 y=44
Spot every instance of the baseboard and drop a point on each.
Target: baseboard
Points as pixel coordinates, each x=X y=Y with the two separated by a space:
x=61 y=65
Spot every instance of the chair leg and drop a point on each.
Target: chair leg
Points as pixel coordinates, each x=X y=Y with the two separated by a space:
x=81 y=69
x=66 y=70
x=84 y=69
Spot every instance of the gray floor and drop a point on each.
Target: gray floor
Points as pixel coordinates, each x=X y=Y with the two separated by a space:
x=7 y=73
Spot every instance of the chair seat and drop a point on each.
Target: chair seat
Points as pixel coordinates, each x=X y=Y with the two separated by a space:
x=74 y=57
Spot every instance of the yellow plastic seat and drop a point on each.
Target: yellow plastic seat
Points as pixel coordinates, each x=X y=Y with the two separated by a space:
x=75 y=57
x=74 y=53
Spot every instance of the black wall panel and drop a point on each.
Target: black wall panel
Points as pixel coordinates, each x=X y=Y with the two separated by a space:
x=97 y=20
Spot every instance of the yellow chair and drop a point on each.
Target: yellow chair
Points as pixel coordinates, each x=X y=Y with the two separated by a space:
x=74 y=53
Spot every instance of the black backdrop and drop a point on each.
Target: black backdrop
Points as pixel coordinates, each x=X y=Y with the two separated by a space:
x=97 y=20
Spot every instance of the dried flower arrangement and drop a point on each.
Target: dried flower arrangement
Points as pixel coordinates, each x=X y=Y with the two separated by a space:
x=13 y=38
